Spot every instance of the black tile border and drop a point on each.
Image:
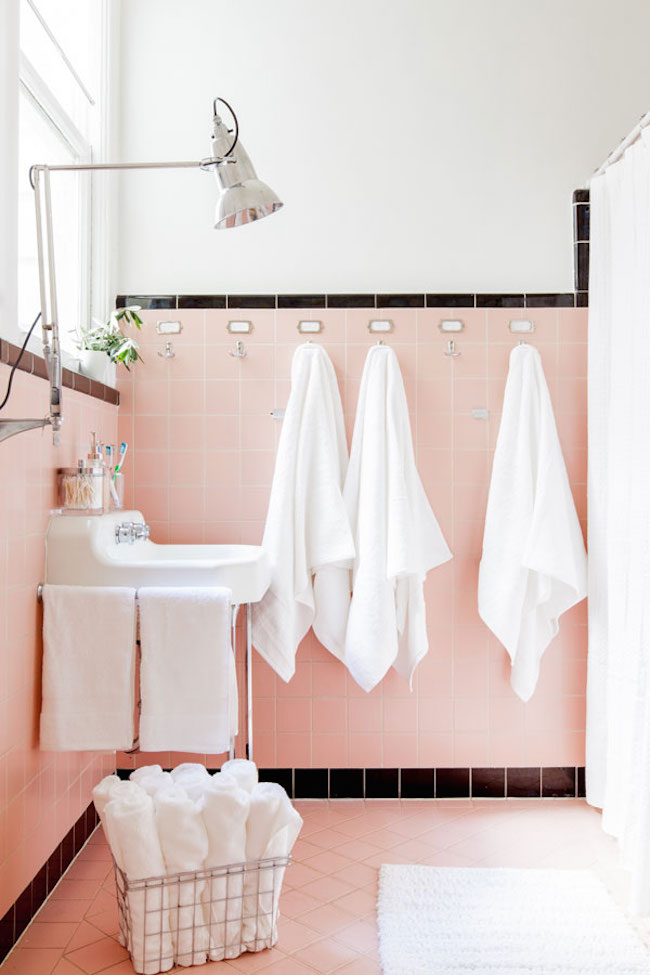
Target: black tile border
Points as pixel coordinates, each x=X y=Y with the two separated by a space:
x=581 y=231
x=24 y=908
x=426 y=783
x=384 y=301
x=35 y=366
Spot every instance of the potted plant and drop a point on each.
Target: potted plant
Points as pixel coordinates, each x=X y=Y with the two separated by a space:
x=102 y=346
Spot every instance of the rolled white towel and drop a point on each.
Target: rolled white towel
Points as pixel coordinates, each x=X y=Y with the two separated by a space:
x=193 y=777
x=133 y=836
x=184 y=843
x=154 y=780
x=272 y=829
x=145 y=771
x=102 y=793
x=243 y=771
x=225 y=808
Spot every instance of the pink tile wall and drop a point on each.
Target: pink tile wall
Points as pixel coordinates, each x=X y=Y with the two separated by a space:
x=41 y=793
x=201 y=468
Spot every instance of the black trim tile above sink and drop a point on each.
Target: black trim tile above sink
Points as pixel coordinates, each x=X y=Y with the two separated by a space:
x=301 y=301
x=500 y=301
x=417 y=783
x=311 y=783
x=346 y=783
x=251 y=301
x=564 y=300
x=147 y=302
x=488 y=783
x=201 y=301
x=400 y=301
x=559 y=782
x=523 y=783
x=283 y=777
x=449 y=301
x=382 y=783
x=452 y=783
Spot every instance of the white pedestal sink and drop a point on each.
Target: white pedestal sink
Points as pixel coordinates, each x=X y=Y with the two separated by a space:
x=83 y=551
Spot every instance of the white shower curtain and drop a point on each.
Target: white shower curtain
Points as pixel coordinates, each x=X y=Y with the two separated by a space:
x=618 y=686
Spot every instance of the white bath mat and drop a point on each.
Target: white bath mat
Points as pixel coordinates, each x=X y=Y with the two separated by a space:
x=466 y=921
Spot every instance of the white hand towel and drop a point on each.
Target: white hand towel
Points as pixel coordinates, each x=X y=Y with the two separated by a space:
x=193 y=777
x=271 y=830
x=243 y=771
x=187 y=669
x=184 y=844
x=398 y=539
x=88 y=668
x=534 y=564
x=133 y=838
x=307 y=530
x=225 y=809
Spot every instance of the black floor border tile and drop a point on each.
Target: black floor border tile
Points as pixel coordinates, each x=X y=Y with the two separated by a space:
x=382 y=783
x=417 y=783
x=488 y=783
x=311 y=783
x=559 y=782
x=452 y=783
x=524 y=783
x=346 y=783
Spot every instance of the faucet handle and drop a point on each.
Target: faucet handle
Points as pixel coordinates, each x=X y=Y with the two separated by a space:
x=129 y=531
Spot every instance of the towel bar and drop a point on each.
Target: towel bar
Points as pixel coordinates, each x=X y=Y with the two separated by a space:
x=248 y=661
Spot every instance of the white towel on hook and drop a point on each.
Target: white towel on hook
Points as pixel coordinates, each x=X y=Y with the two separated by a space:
x=307 y=531
x=534 y=564
x=187 y=669
x=397 y=537
x=88 y=668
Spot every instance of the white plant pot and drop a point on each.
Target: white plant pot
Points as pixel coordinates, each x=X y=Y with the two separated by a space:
x=97 y=365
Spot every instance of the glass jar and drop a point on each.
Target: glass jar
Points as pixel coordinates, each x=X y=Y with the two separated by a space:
x=81 y=488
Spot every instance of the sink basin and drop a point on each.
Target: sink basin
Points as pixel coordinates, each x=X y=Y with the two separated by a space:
x=82 y=551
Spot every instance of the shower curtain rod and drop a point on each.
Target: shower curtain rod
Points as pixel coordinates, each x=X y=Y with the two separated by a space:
x=624 y=144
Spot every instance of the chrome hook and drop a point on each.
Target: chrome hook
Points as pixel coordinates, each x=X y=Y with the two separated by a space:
x=239 y=352
x=452 y=351
x=169 y=351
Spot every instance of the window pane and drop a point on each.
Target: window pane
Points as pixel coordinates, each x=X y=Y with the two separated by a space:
x=41 y=143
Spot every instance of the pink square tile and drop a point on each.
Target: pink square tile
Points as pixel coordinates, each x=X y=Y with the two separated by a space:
x=329 y=750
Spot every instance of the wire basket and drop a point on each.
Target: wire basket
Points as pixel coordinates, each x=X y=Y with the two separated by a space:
x=204 y=915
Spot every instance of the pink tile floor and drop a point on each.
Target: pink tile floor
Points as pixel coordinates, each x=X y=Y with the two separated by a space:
x=328 y=902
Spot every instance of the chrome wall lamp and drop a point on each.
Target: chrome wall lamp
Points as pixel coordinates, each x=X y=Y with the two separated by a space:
x=242 y=199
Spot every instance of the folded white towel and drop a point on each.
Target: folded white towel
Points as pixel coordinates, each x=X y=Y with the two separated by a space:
x=534 y=564
x=225 y=810
x=187 y=670
x=307 y=528
x=193 y=777
x=88 y=668
x=152 y=779
x=272 y=829
x=102 y=793
x=397 y=537
x=133 y=838
x=243 y=771
x=184 y=844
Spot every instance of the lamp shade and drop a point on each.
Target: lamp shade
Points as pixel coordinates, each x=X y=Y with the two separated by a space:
x=242 y=196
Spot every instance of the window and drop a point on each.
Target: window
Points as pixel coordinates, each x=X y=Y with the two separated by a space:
x=63 y=102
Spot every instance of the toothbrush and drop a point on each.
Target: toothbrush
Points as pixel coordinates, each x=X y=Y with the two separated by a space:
x=122 y=454
x=111 y=483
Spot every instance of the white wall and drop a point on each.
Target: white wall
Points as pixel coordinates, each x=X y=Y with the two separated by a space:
x=417 y=144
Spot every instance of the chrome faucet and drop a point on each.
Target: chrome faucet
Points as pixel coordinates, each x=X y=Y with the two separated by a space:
x=131 y=531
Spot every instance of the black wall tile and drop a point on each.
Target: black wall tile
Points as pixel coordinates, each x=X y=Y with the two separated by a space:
x=581 y=196
x=201 y=301
x=581 y=257
x=582 y=299
x=400 y=301
x=311 y=783
x=283 y=776
x=350 y=301
x=54 y=869
x=23 y=910
x=301 y=301
x=382 y=783
x=452 y=783
x=558 y=782
x=67 y=849
x=7 y=933
x=417 y=783
x=499 y=301
x=251 y=301
x=581 y=790
x=488 y=783
x=581 y=223
x=346 y=783
x=146 y=301
x=450 y=301
x=39 y=888
x=523 y=783
x=566 y=300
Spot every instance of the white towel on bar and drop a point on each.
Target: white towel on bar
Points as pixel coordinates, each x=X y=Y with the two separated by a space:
x=88 y=668
x=307 y=530
x=133 y=838
x=225 y=810
x=184 y=844
x=187 y=669
x=272 y=829
x=397 y=537
x=243 y=771
x=534 y=564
